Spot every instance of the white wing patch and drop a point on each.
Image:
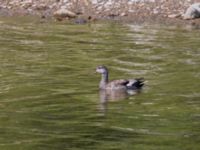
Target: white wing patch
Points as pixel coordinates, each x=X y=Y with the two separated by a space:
x=131 y=82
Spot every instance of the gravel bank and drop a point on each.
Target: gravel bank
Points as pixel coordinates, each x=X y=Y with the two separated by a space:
x=135 y=11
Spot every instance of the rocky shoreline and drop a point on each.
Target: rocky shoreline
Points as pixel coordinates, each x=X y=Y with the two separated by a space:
x=83 y=11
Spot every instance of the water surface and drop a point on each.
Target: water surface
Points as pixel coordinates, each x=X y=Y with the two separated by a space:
x=49 y=92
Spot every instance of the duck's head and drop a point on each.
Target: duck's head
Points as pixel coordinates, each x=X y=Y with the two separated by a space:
x=102 y=69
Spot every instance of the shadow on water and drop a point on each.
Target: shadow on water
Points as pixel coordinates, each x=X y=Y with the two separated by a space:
x=50 y=100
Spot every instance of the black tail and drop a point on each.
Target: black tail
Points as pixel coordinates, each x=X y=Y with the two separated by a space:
x=138 y=84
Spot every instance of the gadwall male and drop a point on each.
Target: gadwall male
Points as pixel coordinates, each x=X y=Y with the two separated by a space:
x=127 y=84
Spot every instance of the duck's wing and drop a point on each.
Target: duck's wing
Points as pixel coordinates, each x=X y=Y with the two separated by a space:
x=117 y=83
x=132 y=84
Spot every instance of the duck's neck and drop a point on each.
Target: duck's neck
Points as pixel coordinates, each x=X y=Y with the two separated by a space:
x=104 y=81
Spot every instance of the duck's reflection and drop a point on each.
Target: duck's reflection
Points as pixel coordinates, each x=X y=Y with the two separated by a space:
x=108 y=95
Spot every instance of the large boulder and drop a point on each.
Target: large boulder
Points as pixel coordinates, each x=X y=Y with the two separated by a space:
x=192 y=12
x=64 y=13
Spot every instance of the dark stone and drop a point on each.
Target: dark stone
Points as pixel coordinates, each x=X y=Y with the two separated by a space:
x=80 y=21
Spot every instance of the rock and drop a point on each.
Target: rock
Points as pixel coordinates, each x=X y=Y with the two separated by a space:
x=83 y=19
x=26 y=4
x=63 y=13
x=41 y=7
x=174 y=15
x=155 y=11
x=123 y=14
x=80 y=21
x=192 y=12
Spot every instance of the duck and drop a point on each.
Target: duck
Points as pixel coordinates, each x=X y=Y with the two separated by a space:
x=121 y=84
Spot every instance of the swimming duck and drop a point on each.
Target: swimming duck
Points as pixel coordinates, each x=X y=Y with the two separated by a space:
x=126 y=84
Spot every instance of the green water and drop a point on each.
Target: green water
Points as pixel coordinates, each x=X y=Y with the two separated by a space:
x=49 y=98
